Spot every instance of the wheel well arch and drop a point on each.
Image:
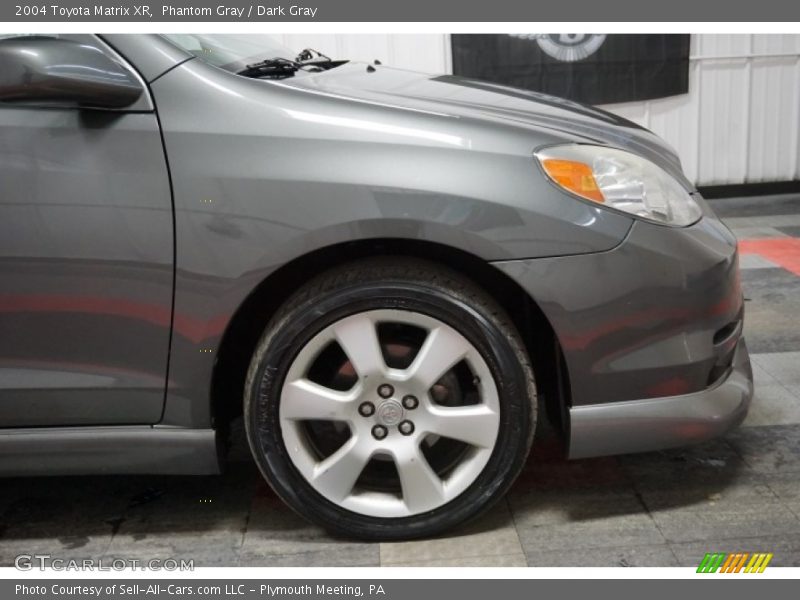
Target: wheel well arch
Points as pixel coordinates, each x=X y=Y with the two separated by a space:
x=251 y=318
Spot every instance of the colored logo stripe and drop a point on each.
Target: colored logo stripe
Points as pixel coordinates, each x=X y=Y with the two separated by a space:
x=734 y=563
x=711 y=562
x=758 y=563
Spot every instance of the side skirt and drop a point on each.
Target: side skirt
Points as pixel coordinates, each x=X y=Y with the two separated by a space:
x=109 y=450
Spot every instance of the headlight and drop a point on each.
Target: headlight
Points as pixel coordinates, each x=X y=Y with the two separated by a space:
x=620 y=180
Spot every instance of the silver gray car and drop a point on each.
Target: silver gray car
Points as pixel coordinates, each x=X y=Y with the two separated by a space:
x=389 y=275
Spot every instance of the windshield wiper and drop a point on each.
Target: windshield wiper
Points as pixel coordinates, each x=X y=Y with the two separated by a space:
x=272 y=68
x=280 y=68
x=317 y=60
x=309 y=56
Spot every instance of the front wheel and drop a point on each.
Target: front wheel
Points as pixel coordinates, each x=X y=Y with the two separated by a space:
x=390 y=399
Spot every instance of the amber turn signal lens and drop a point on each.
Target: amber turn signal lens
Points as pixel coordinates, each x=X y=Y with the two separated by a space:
x=577 y=177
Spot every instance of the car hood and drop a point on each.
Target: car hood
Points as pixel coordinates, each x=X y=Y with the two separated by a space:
x=468 y=98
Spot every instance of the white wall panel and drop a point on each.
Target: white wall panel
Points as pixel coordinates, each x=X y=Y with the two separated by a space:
x=675 y=119
x=774 y=120
x=723 y=131
x=740 y=121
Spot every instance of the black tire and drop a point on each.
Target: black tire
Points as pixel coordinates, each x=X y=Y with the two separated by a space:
x=394 y=283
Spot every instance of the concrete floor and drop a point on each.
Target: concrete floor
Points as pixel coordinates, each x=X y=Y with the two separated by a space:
x=740 y=493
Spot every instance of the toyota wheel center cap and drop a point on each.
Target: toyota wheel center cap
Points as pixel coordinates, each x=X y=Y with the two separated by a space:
x=390 y=413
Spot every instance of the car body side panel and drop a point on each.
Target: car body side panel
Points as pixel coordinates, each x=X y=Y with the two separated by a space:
x=86 y=258
x=264 y=173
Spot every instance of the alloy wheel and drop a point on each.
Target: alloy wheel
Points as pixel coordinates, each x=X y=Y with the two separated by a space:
x=389 y=413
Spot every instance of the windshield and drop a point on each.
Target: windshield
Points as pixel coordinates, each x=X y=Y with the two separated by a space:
x=231 y=52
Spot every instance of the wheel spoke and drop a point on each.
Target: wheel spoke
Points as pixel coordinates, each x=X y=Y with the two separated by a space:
x=305 y=400
x=475 y=425
x=422 y=488
x=443 y=348
x=359 y=339
x=337 y=474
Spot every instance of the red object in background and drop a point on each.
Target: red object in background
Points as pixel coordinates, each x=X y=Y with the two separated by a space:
x=784 y=252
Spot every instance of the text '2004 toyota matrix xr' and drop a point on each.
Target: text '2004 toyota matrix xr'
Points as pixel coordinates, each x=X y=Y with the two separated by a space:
x=388 y=274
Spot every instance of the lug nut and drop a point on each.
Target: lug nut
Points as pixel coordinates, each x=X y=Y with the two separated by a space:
x=385 y=390
x=406 y=427
x=410 y=402
x=379 y=432
x=366 y=409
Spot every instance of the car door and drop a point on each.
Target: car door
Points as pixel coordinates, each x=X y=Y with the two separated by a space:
x=86 y=260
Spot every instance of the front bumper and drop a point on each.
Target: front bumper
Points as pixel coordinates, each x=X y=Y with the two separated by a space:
x=658 y=423
x=652 y=326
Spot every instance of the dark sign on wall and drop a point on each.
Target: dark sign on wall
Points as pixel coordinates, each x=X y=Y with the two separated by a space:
x=591 y=68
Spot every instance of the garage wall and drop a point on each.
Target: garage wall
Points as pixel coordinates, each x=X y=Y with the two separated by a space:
x=739 y=123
